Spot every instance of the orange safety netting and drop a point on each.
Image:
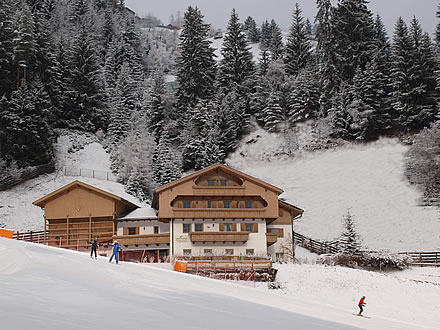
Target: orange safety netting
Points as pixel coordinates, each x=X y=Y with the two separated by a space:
x=180 y=266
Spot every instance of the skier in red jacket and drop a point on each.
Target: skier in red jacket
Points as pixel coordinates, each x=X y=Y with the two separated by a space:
x=361 y=304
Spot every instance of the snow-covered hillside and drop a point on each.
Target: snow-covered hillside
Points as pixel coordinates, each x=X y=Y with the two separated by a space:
x=46 y=287
x=16 y=209
x=367 y=179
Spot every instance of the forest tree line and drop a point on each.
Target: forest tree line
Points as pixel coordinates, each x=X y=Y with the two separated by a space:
x=91 y=65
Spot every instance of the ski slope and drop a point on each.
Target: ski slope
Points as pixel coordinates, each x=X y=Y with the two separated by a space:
x=51 y=288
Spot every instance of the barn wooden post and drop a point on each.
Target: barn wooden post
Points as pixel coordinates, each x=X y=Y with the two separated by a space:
x=67 y=238
x=90 y=227
x=45 y=230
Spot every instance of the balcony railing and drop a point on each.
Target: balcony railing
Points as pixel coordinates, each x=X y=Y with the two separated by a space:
x=143 y=239
x=219 y=236
x=271 y=238
x=219 y=213
x=219 y=190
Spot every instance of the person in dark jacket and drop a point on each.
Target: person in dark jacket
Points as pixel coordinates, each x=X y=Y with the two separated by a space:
x=361 y=305
x=116 y=249
x=95 y=245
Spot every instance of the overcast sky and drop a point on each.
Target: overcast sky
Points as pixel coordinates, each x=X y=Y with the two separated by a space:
x=217 y=12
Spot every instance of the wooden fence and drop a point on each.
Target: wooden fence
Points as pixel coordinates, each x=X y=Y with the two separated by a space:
x=88 y=173
x=10 y=181
x=424 y=258
x=316 y=246
x=30 y=236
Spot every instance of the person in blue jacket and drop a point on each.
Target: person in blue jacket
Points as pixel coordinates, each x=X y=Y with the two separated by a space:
x=116 y=249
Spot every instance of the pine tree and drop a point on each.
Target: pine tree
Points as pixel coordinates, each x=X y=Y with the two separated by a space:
x=24 y=46
x=236 y=67
x=263 y=63
x=304 y=98
x=325 y=54
x=266 y=35
x=272 y=114
x=6 y=49
x=196 y=65
x=251 y=29
x=298 y=48
x=156 y=107
x=123 y=106
x=350 y=240
x=28 y=139
x=276 y=41
x=86 y=91
x=352 y=27
x=167 y=164
x=437 y=30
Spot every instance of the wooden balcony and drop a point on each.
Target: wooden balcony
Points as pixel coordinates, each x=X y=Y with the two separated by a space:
x=219 y=190
x=271 y=238
x=143 y=239
x=219 y=236
x=218 y=213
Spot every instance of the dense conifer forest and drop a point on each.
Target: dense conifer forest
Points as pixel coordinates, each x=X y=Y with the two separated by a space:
x=94 y=66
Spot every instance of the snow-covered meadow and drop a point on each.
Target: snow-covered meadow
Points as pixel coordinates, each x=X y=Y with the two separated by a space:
x=51 y=288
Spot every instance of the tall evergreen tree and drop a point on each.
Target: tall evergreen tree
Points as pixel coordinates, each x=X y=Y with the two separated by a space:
x=272 y=114
x=167 y=165
x=298 y=48
x=196 y=65
x=236 y=67
x=276 y=41
x=156 y=107
x=251 y=30
x=266 y=35
x=86 y=90
x=6 y=49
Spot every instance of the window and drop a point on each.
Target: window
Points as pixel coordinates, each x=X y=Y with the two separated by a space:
x=227 y=204
x=156 y=229
x=278 y=231
x=186 y=252
x=228 y=226
x=249 y=252
x=132 y=231
x=250 y=227
x=223 y=183
x=186 y=204
x=229 y=252
x=211 y=183
x=209 y=204
x=207 y=252
x=186 y=227
x=248 y=204
x=198 y=227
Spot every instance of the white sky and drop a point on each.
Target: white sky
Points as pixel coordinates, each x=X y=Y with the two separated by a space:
x=217 y=12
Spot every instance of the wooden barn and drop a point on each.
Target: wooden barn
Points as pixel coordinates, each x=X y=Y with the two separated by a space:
x=78 y=212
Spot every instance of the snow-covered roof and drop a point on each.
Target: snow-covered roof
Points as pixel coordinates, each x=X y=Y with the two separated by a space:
x=142 y=213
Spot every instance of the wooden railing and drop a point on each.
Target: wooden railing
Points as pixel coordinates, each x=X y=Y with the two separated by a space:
x=424 y=258
x=30 y=236
x=143 y=239
x=316 y=246
x=219 y=236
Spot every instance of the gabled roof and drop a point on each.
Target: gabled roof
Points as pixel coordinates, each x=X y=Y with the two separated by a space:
x=40 y=202
x=144 y=213
x=296 y=210
x=211 y=169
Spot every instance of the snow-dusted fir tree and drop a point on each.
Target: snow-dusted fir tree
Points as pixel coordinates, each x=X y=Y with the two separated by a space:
x=437 y=29
x=303 y=102
x=252 y=32
x=350 y=242
x=236 y=67
x=276 y=47
x=86 y=89
x=167 y=162
x=298 y=48
x=27 y=137
x=353 y=37
x=196 y=67
x=272 y=114
x=122 y=106
x=325 y=54
x=6 y=48
x=266 y=35
x=156 y=118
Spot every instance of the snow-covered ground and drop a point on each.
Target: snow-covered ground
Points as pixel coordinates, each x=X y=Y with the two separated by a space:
x=217 y=44
x=51 y=288
x=367 y=179
x=16 y=209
